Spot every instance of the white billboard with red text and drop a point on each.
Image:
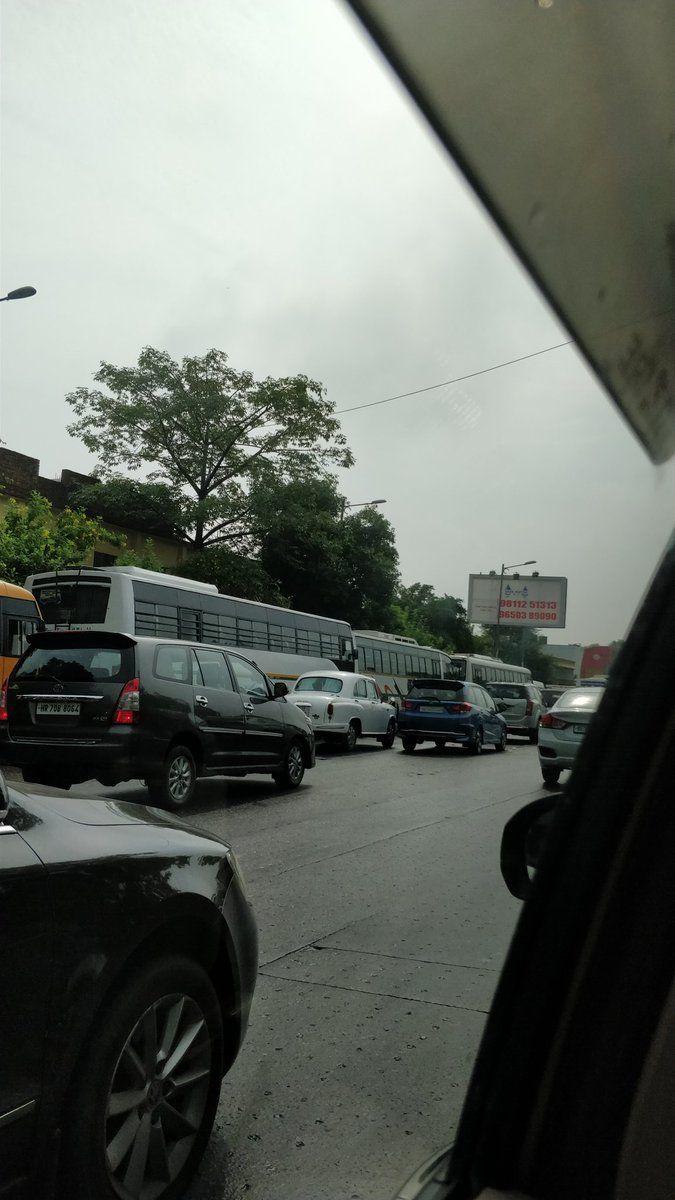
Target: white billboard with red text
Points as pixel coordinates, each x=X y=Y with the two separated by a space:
x=534 y=600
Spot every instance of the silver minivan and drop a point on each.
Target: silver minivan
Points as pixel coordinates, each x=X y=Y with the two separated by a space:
x=521 y=706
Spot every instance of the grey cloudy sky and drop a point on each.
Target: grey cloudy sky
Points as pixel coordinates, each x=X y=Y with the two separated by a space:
x=247 y=174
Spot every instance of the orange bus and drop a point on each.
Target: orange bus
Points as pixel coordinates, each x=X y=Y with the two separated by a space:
x=19 y=616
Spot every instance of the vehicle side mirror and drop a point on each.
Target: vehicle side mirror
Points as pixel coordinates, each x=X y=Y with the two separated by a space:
x=501 y=706
x=522 y=840
x=280 y=689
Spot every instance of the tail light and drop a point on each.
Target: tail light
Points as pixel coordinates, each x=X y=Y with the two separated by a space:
x=330 y=708
x=458 y=708
x=551 y=722
x=410 y=706
x=528 y=708
x=127 y=711
x=3 y=703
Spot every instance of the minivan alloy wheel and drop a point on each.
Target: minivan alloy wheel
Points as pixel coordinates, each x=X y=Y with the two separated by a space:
x=295 y=763
x=157 y=1097
x=180 y=777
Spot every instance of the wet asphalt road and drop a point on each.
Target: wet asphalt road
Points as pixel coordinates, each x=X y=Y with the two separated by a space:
x=383 y=923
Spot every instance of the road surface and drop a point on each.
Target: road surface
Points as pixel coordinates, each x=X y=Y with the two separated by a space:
x=383 y=923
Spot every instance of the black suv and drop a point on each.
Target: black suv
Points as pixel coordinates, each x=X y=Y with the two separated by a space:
x=111 y=707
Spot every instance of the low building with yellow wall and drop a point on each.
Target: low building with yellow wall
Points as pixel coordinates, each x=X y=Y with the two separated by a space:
x=20 y=475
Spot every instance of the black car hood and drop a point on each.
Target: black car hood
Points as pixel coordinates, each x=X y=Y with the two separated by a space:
x=28 y=810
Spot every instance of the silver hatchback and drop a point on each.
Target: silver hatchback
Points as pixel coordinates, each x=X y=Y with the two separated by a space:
x=563 y=729
x=520 y=705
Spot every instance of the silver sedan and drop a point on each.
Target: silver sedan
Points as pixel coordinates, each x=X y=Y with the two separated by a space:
x=562 y=730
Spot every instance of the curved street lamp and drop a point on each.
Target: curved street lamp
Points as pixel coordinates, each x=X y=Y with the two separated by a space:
x=21 y=293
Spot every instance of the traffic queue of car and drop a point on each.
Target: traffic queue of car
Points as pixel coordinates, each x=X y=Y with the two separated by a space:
x=109 y=707
x=168 y=964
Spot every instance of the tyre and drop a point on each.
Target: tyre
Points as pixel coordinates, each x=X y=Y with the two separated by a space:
x=144 y=1096
x=175 y=787
x=409 y=744
x=501 y=744
x=389 y=738
x=475 y=746
x=439 y=743
x=351 y=737
x=550 y=775
x=291 y=773
x=533 y=736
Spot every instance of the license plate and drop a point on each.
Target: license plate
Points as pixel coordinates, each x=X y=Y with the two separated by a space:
x=429 y=709
x=57 y=708
x=578 y=729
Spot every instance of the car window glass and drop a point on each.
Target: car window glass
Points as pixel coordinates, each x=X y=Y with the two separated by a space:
x=437 y=691
x=371 y=690
x=360 y=688
x=173 y=662
x=213 y=669
x=249 y=679
x=319 y=683
x=508 y=691
x=75 y=664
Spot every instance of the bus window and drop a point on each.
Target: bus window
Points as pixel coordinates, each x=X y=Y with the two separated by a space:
x=19 y=617
x=73 y=603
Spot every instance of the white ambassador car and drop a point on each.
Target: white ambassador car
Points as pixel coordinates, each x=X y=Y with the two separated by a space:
x=342 y=706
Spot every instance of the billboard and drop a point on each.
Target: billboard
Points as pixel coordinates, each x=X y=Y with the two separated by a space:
x=534 y=600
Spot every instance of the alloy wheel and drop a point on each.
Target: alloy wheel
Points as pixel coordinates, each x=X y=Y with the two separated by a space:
x=180 y=777
x=295 y=764
x=157 y=1098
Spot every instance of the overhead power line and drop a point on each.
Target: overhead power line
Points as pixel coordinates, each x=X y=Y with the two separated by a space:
x=458 y=379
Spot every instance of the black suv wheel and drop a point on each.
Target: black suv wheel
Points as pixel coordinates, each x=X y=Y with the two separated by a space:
x=175 y=787
x=291 y=773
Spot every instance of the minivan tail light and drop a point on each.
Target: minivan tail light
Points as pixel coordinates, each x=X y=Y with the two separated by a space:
x=3 y=703
x=528 y=708
x=457 y=708
x=128 y=706
x=551 y=722
x=410 y=706
x=330 y=709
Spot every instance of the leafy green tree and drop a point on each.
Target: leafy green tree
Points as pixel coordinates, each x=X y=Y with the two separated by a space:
x=522 y=646
x=432 y=619
x=233 y=574
x=147 y=557
x=35 y=538
x=322 y=562
x=369 y=570
x=208 y=432
x=124 y=501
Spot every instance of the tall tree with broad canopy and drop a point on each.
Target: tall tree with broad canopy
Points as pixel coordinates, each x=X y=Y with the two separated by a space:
x=209 y=432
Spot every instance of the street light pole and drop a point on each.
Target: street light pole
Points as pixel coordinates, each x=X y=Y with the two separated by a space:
x=531 y=562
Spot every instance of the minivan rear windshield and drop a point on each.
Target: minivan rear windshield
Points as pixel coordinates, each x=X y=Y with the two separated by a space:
x=449 y=690
x=507 y=691
x=73 y=603
x=76 y=664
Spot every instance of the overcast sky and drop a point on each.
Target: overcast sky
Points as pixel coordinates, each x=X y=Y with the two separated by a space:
x=247 y=174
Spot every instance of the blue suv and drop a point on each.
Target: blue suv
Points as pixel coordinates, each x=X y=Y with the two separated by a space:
x=448 y=710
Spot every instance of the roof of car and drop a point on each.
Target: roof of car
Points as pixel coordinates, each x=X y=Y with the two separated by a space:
x=332 y=675
x=438 y=683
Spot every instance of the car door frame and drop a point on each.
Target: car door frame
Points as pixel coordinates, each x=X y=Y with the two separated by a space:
x=220 y=721
x=266 y=729
x=379 y=719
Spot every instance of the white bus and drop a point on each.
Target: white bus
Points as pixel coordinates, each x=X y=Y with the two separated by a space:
x=283 y=643
x=393 y=660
